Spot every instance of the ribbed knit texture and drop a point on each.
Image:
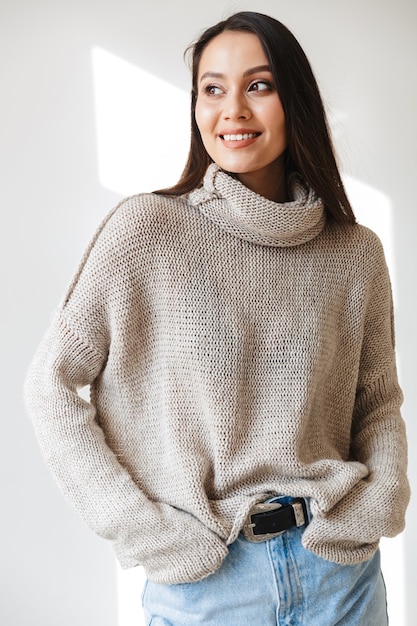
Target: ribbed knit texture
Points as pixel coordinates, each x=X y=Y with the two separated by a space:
x=236 y=348
x=255 y=218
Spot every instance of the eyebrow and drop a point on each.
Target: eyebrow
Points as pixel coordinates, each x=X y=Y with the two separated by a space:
x=249 y=72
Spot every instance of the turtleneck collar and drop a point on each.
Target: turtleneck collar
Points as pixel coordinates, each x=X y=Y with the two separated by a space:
x=246 y=214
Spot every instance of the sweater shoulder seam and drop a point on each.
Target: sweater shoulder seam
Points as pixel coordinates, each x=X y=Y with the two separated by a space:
x=69 y=327
x=105 y=222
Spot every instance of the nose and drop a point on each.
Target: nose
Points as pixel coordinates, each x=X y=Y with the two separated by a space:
x=236 y=107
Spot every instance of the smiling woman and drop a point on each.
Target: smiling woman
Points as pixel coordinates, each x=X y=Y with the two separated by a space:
x=236 y=332
x=239 y=113
x=309 y=149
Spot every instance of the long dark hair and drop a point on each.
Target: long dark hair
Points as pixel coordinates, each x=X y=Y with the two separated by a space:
x=309 y=146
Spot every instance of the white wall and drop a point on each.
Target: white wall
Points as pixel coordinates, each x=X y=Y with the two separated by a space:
x=59 y=178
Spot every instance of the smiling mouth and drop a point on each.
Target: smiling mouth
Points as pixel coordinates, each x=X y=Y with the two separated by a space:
x=239 y=136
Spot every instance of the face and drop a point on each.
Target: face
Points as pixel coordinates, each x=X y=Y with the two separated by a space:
x=239 y=113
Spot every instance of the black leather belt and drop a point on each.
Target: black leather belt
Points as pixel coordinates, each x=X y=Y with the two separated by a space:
x=270 y=519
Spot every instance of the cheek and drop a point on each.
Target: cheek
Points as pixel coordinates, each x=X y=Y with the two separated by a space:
x=204 y=117
x=277 y=122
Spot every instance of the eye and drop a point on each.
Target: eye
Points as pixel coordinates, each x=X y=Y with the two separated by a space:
x=260 y=85
x=212 y=90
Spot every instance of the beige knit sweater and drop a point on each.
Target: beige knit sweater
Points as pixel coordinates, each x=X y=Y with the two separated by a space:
x=235 y=349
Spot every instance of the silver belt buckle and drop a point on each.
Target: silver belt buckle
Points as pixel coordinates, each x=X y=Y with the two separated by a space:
x=262 y=507
x=248 y=526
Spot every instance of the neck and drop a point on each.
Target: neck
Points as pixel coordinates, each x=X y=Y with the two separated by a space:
x=270 y=183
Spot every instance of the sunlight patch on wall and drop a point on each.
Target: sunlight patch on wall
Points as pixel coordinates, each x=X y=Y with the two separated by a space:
x=393 y=569
x=130 y=584
x=373 y=209
x=142 y=126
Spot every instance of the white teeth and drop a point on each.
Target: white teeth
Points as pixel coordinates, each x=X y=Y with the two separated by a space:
x=239 y=137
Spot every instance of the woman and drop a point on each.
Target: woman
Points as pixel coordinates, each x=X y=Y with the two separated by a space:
x=243 y=441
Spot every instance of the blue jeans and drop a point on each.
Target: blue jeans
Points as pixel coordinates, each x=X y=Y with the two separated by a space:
x=273 y=583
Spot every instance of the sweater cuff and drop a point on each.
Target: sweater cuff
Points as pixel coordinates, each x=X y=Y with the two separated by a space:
x=175 y=548
x=350 y=532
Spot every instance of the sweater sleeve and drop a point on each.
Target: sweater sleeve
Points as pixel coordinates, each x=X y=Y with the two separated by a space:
x=142 y=532
x=376 y=506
